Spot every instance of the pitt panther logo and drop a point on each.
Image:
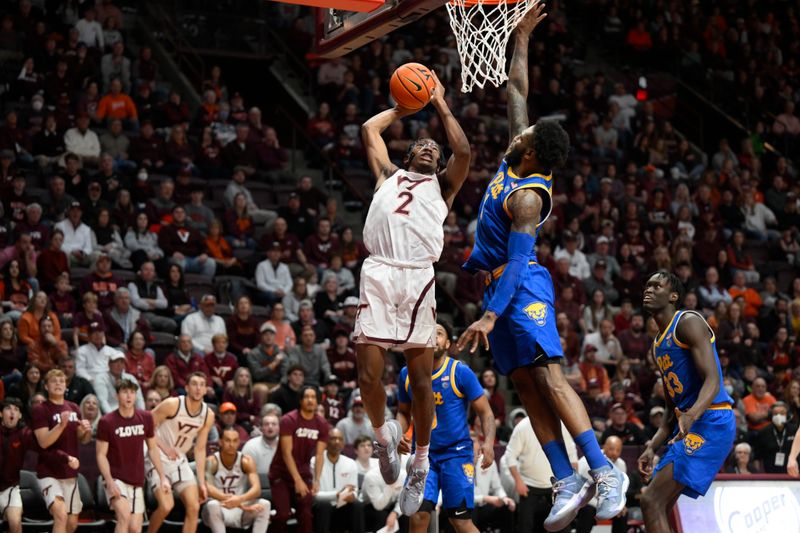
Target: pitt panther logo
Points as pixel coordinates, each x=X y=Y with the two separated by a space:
x=692 y=442
x=537 y=311
x=469 y=470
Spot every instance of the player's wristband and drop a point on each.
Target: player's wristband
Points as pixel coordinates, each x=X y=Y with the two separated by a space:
x=520 y=250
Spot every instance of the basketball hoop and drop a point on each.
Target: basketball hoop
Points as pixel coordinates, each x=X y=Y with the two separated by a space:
x=482 y=29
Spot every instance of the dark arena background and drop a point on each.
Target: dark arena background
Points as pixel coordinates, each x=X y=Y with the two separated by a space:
x=185 y=183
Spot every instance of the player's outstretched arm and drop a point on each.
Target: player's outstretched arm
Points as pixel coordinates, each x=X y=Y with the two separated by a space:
x=458 y=164
x=377 y=153
x=693 y=331
x=525 y=206
x=518 y=72
x=200 y=455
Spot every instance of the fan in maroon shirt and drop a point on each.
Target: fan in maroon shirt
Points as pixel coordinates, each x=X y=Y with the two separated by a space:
x=304 y=435
x=121 y=435
x=57 y=425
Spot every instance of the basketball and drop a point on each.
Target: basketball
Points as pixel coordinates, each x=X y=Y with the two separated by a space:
x=412 y=85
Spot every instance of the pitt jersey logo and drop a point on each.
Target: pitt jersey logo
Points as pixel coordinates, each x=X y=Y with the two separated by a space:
x=537 y=311
x=469 y=471
x=693 y=442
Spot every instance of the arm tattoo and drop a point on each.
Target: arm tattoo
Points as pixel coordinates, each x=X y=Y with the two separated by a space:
x=526 y=209
x=518 y=88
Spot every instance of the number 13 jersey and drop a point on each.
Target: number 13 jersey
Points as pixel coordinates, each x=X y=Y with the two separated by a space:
x=404 y=224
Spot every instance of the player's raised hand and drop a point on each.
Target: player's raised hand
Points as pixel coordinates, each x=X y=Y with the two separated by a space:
x=532 y=18
x=63 y=420
x=685 y=421
x=437 y=95
x=646 y=461
x=487 y=453
x=477 y=333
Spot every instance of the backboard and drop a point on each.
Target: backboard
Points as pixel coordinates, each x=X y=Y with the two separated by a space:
x=340 y=32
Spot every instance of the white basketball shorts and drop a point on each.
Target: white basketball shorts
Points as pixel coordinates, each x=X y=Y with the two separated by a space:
x=9 y=498
x=178 y=472
x=134 y=495
x=66 y=489
x=397 y=306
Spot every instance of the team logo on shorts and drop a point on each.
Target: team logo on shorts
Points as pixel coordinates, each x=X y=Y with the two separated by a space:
x=537 y=311
x=693 y=442
x=469 y=471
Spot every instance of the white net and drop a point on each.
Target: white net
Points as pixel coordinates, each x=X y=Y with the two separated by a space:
x=482 y=30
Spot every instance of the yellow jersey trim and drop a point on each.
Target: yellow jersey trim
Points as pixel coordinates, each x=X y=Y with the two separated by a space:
x=666 y=329
x=497 y=272
x=453 y=379
x=513 y=174
x=530 y=186
x=686 y=346
x=441 y=368
x=719 y=407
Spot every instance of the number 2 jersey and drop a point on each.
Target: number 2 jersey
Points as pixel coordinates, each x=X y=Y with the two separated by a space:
x=454 y=388
x=678 y=371
x=405 y=221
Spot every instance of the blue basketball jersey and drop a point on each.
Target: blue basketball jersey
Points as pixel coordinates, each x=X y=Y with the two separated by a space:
x=678 y=372
x=494 y=218
x=455 y=386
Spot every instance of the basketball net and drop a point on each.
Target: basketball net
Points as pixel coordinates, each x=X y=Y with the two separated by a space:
x=482 y=29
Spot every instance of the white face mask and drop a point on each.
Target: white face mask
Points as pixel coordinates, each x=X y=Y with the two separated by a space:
x=779 y=419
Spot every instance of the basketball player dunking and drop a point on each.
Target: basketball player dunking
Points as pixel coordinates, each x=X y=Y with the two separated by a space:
x=181 y=423
x=397 y=308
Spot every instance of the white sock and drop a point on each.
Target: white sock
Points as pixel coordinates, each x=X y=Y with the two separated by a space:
x=421 y=456
x=383 y=434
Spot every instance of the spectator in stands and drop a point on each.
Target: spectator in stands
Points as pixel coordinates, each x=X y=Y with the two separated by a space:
x=287 y=396
x=634 y=342
x=585 y=521
x=77 y=387
x=759 y=219
x=91 y=359
x=202 y=325
x=34 y=227
x=488 y=380
x=342 y=359
x=182 y=362
x=235 y=187
x=221 y=363
x=284 y=334
x=90 y=410
x=139 y=359
x=115 y=66
x=240 y=393
x=90 y=32
x=148 y=298
x=743 y=460
x=591 y=370
x=337 y=501
x=15 y=289
x=493 y=508
x=242 y=327
x=52 y=261
x=161 y=382
x=757 y=405
x=656 y=416
x=306 y=318
x=105 y=384
x=200 y=215
x=239 y=153
x=239 y=225
x=83 y=318
x=311 y=356
x=148 y=149
x=711 y=292
x=185 y=246
x=83 y=142
x=356 y=423
x=177 y=297
x=626 y=431
x=262 y=448
x=273 y=279
x=227 y=419
x=107 y=238
x=102 y=282
x=48 y=348
x=771 y=443
x=28 y=325
x=160 y=207
x=608 y=346
x=12 y=354
x=122 y=320
x=77 y=237
x=597 y=310
x=220 y=251
x=752 y=300
x=267 y=362
x=142 y=243
x=319 y=248
x=296 y=297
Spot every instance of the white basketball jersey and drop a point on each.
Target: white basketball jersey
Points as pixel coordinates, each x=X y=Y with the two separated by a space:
x=230 y=480
x=180 y=431
x=405 y=220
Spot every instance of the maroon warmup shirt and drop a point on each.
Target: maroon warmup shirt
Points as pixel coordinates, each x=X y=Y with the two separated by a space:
x=51 y=463
x=305 y=435
x=125 y=438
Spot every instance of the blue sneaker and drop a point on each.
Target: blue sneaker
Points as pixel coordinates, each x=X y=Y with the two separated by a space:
x=612 y=484
x=569 y=495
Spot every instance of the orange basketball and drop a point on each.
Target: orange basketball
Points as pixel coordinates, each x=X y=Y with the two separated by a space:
x=412 y=85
